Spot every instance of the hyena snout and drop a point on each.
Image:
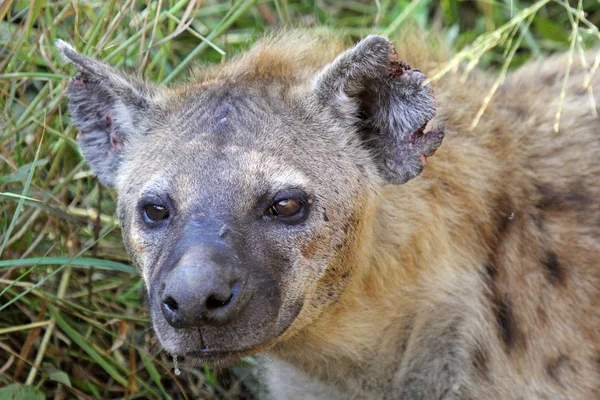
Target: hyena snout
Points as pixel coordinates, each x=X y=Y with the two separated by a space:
x=201 y=293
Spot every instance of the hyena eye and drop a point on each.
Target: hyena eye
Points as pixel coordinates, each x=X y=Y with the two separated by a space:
x=155 y=212
x=289 y=206
x=286 y=208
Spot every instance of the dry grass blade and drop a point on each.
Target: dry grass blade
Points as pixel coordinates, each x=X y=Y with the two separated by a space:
x=502 y=75
x=184 y=23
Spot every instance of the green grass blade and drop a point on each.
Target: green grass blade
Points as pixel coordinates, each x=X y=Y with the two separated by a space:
x=223 y=26
x=84 y=262
x=17 y=196
x=153 y=372
x=81 y=342
x=22 y=199
x=51 y=274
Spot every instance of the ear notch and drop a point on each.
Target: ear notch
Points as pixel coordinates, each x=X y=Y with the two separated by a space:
x=389 y=103
x=109 y=108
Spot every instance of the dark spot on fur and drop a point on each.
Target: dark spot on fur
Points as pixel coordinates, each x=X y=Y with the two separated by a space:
x=556 y=272
x=507 y=323
x=538 y=221
x=480 y=359
x=501 y=306
x=552 y=200
x=558 y=367
x=491 y=271
x=325 y=217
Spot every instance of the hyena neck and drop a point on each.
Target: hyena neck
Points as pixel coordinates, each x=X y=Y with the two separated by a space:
x=424 y=232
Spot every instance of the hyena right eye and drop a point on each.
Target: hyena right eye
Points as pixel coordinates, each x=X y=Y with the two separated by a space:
x=154 y=213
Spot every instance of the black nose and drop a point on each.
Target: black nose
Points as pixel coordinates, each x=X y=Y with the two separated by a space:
x=193 y=295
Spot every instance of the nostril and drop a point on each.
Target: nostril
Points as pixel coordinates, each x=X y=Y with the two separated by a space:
x=171 y=303
x=213 y=302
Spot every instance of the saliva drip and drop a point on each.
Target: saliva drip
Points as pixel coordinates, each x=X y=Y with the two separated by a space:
x=176 y=366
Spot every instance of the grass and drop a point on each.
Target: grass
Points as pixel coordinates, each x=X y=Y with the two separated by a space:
x=72 y=317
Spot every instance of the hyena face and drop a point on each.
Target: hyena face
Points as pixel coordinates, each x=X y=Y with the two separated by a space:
x=245 y=202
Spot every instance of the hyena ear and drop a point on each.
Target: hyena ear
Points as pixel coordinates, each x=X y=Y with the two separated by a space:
x=369 y=88
x=109 y=108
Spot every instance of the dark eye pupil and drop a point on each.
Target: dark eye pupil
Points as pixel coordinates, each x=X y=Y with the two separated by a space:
x=287 y=207
x=156 y=212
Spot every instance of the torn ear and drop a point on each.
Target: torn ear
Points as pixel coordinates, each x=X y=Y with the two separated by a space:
x=109 y=108
x=369 y=88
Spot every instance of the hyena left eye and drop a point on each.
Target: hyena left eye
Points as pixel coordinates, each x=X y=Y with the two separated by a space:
x=155 y=212
x=290 y=206
x=286 y=208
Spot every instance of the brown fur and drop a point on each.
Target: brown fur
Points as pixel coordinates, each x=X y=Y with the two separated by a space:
x=478 y=279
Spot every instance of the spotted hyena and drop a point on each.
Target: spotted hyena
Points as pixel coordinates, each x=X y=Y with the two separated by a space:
x=286 y=204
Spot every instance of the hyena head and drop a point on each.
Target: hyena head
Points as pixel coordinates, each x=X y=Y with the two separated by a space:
x=246 y=202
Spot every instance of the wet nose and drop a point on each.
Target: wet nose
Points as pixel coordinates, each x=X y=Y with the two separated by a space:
x=193 y=295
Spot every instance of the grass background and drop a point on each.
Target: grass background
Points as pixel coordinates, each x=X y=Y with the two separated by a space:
x=73 y=323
